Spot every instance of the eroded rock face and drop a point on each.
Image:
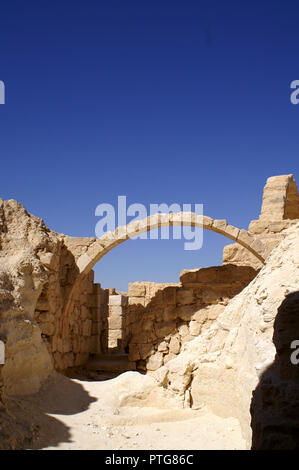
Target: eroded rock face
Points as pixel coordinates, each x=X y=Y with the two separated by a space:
x=37 y=273
x=22 y=276
x=224 y=365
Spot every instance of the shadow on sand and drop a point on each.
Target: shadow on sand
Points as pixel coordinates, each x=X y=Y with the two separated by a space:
x=27 y=424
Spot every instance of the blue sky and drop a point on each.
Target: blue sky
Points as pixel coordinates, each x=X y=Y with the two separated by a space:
x=161 y=101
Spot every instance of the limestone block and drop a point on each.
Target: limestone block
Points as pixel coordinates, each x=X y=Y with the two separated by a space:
x=209 y=296
x=137 y=300
x=58 y=361
x=134 y=354
x=84 y=344
x=155 y=361
x=213 y=311
x=84 y=312
x=86 y=327
x=186 y=339
x=95 y=328
x=170 y=313
x=164 y=329
x=185 y=312
x=183 y=330
x=92 y=300
x=163 y=346
x=174 y=345
x=145 y=350
x=59 y=344
x=169 y=357
x=76 y=344
x=245 y=238
x=189 y=218
x=160 y=375
x=195 y=328
x=116 y=334
x=136 y=289
x=188 y=276
x=115 y=310
x=81 y=359
x=83 y=262
x=169 y=295
x=94 y=344
x=132 y=229
x=113 y=343
x=240 y=256
x=147 y=324
x=69 y=360
x=200 y=316
x=258 y=226
x=184 y=296
x=220 y=226
x=233 y=232
x=118 y=300
x=66 y=345
x=143 y=337
x=115 y=322
x=207 y=221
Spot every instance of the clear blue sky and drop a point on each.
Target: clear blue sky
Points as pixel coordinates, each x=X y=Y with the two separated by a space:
x=183 y=101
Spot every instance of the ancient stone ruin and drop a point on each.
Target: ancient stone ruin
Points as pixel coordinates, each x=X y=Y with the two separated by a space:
x=219 y=337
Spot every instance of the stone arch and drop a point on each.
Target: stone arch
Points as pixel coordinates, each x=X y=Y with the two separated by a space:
x=100 y=247
x=88 y=251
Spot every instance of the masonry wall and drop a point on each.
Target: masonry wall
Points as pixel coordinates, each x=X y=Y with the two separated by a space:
x=70 y=338
x=162 y=317
x=280 y=211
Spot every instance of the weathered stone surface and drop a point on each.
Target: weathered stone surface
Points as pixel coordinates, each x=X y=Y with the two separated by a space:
x=115 y=322
x=194 y=328
x=155 y=361
x=184 y=297
x=230 y=359
x=118 y=300
x=174 y=345
x=136 y=289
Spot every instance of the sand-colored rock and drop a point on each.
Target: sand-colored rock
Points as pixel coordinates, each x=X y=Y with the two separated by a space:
x=207 y=341
x=222 y=367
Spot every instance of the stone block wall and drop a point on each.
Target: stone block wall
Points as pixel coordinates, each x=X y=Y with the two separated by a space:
x=71 y=338
x=162 y=317
x=116 y=323
x=280 y=210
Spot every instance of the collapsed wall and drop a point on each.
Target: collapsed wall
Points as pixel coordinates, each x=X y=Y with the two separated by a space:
x=161 y=318
x=37 y=272
x=222 y=367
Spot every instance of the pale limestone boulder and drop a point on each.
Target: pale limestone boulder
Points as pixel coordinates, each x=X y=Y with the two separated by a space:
x=155 y=361
x=174 y=345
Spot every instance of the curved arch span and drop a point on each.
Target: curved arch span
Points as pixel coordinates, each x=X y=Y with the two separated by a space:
x=100 y=247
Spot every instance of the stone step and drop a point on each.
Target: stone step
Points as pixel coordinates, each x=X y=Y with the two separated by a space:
x=111 y=363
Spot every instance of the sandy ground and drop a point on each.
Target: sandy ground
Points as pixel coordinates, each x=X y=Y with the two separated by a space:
x=82 y=414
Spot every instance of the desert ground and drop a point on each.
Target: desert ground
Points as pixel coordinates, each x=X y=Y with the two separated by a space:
x=70 y=414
